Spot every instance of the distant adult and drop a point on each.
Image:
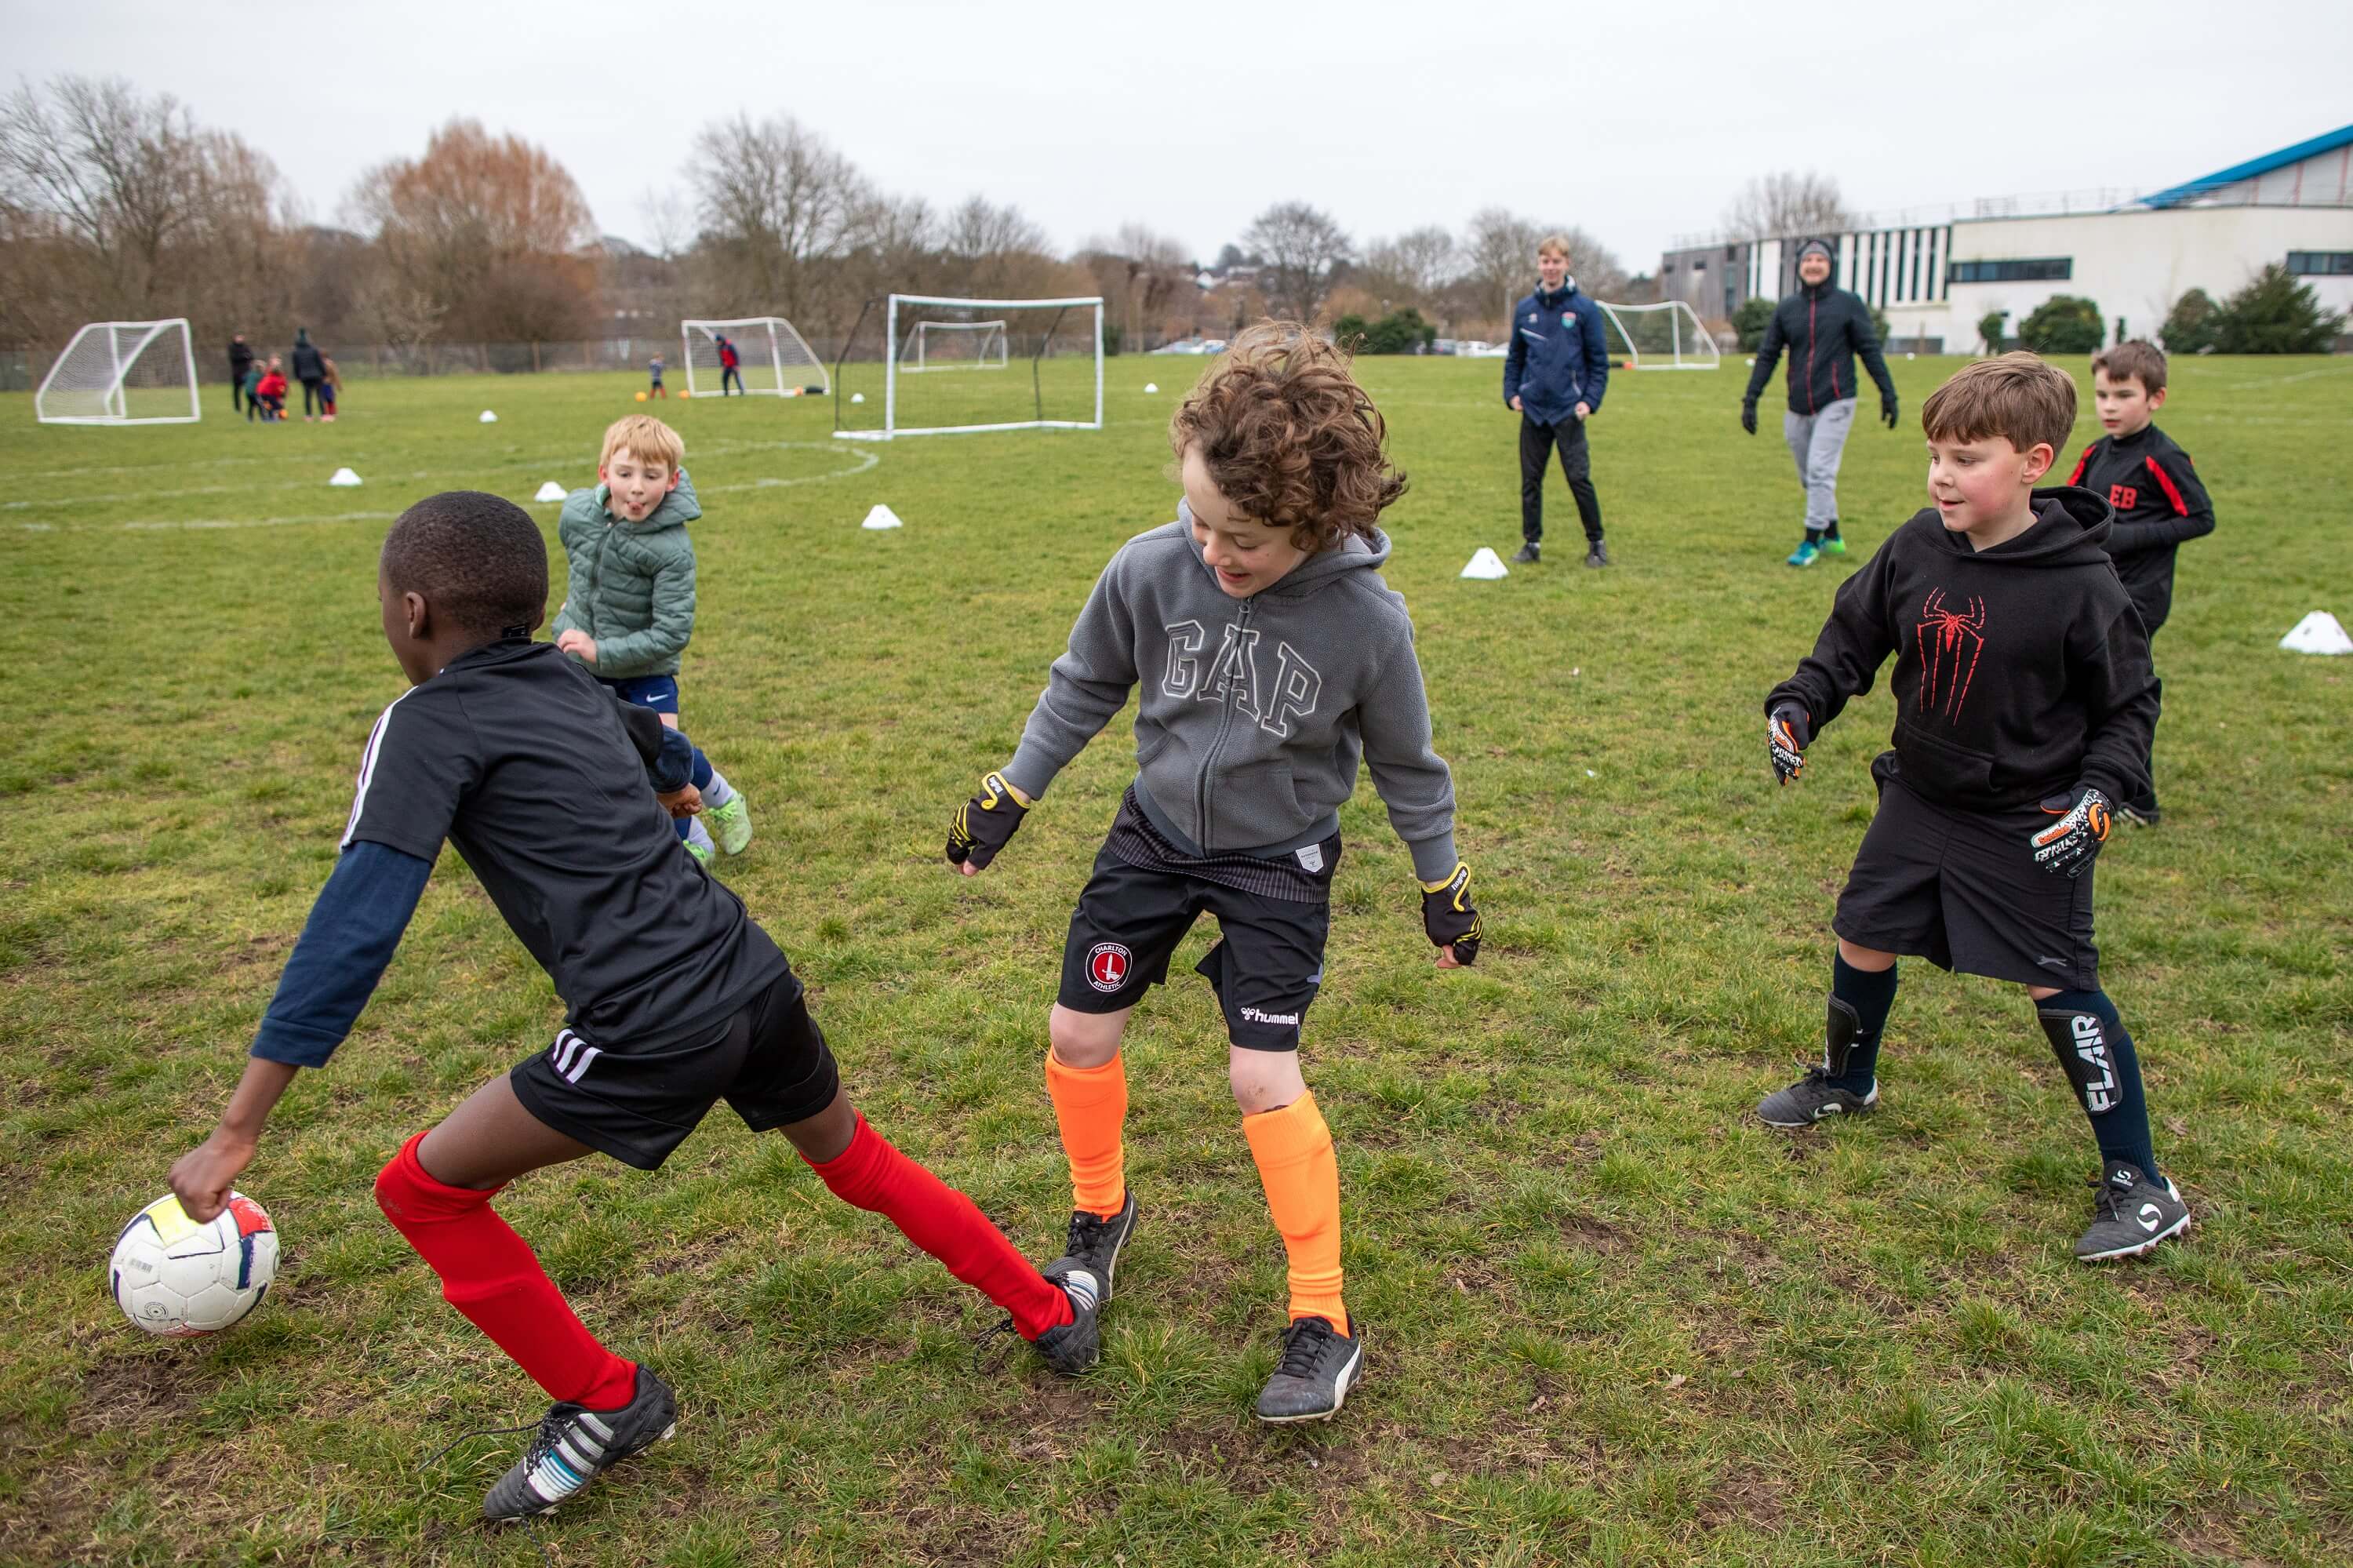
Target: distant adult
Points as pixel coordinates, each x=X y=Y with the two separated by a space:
x=309 y=367
x=1554 y=377
x=240 y=365
x=730 y=367
x=1823 y=328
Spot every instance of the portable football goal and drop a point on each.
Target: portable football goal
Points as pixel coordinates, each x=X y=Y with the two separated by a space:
x=955 y=345
x=897 y=337
x=123 y=372
x=771 y=357
x=1660 y=337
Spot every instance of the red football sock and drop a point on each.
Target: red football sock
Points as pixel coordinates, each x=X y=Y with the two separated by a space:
x=491 y=1276
x=871 y=1175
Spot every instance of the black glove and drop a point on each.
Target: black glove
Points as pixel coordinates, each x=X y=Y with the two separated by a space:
x=2069 y=843
x=1786 y=735
x=1749 y=414
x=1887 y=409
x=984 y=824
x=1447 y=915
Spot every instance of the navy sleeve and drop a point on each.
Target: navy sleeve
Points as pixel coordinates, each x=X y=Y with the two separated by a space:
x=1596 y=357
x=1515 y=359
x=667 y=755
x=345 y=947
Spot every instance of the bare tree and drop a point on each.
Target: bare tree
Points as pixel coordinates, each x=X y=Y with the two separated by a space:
x=1412 y=269
x=669 y=220
x=1143 y=276
x=1304 y=251
x=491 y=229
x=1499 y=250
x=775 y=201
x=1786 y=205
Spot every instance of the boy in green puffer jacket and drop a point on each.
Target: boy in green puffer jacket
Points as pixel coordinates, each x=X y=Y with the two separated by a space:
x=628 y=603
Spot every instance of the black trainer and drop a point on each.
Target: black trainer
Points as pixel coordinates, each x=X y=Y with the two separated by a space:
x=1076 y=1346
x=1598 y=555
x=1530 y=554
x=575 y=1444
x=2131 y=1215
x=1812 y=1097
x=1094 y=1242
x=1320 y=1365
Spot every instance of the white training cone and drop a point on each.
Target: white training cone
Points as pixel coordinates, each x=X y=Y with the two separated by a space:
x=550 y=490
x=881 y=518
x=1152 y=386
x=1486 y=566
x=858 y=396
x=2320 y=632
x=488 y=418
x=344 y=479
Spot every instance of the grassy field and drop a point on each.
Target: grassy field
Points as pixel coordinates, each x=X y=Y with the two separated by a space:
x=1612 y=1319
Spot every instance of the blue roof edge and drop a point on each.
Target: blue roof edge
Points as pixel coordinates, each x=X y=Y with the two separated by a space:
x=2328 y=141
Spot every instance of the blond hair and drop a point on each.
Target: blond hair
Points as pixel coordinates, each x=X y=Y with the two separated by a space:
x=1553 y=242
x=2016 y=397
x=644 y=438
x=2135 y=360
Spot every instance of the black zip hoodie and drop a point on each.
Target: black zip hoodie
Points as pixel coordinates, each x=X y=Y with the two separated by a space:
x=2020 y=671
x=1823 y=328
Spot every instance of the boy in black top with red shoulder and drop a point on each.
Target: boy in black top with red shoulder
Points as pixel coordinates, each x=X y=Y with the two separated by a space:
x=2159 y=503
x=2025 y=704
x=676 y=999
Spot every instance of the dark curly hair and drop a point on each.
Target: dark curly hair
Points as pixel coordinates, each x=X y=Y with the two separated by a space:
x=1289 y=438
x=479 y=559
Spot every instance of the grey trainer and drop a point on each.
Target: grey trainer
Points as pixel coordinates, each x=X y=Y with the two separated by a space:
x=1812 y=1097
x=575 y=1444
x=1319 y=1366
x=2132 y=1215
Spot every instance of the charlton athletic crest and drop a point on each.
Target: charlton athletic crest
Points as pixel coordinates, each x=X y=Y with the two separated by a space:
x=1108 y=964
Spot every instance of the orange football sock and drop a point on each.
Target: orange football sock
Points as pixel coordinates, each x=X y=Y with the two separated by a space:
x=1089 y=1104
x=1302 y=1176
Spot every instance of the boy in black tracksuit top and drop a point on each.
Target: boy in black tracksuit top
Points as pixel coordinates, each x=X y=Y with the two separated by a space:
x=2024 y=706
x=2159 y=503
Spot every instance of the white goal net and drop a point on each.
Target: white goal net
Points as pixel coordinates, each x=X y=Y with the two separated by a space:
x=880 y=390
x=122 y=373
x=1660 y=337
x=955 y=345
x=771 y=357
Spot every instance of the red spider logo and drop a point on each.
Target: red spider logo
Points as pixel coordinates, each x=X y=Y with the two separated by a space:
x=1950 y=642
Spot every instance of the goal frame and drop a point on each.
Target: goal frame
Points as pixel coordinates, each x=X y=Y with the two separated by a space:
x=777 y=328
x=980 y=362
x=891 y=431
x=113 y=396
x=1686 y=331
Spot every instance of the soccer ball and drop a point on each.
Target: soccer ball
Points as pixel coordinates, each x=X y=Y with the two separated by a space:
x=641 y=396
x=684 y=393
x=172 y=1275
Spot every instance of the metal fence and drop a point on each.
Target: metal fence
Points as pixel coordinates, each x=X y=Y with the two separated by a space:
x=21 y=369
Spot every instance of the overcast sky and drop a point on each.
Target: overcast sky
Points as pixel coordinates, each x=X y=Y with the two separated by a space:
x=1637 y=125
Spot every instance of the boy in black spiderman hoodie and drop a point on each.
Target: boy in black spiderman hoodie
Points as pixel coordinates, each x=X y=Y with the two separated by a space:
x=2024 y=707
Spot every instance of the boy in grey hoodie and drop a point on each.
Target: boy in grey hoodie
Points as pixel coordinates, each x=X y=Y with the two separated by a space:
x=1270 y=658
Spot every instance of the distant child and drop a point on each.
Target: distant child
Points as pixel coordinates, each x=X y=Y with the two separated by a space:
x=654 y=365
x=253 y=371
x=1270 y=658
x=2023 y=708
x=629 y=604
x=330 y=387
x=1554 y=378
x=271 y=390
x=2159 y=503
x=674 y=998
x=730 y=365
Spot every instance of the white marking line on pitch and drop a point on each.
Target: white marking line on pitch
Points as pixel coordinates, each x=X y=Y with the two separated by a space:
x=867 y=459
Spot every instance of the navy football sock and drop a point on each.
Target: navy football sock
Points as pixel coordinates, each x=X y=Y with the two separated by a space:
x=1859 y=1002
x=2101 y=1065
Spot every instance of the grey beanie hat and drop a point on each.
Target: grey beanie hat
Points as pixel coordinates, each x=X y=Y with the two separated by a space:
x=1815 y=247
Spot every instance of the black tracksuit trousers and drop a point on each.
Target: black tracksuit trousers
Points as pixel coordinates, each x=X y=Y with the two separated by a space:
x=1537 y=442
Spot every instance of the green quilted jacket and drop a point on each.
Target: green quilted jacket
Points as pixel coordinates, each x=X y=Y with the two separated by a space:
x=632 y=584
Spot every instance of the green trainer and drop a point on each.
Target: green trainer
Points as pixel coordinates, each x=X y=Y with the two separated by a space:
x=1834 y=546
x=700 y=852
x=731 y=824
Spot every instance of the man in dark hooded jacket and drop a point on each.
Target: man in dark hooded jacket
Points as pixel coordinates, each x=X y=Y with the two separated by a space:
x=309 y=367
x=240 y=361
x=1823 y=328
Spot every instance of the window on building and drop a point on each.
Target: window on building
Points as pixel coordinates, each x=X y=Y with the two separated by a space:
x=1699 y=266
x=2046 y=269
x=1665 y=268
x=2320 y=263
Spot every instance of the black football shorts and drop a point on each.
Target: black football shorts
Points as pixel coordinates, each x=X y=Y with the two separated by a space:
x=768 y=1061
x=1961 y=889
x=1274 y=916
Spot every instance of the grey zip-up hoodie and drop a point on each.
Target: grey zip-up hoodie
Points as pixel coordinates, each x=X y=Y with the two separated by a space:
x=1254 y=712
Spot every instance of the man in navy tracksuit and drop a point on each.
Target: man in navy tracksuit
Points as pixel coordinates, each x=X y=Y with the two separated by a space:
x=1554 y=377
x=1823 y=328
